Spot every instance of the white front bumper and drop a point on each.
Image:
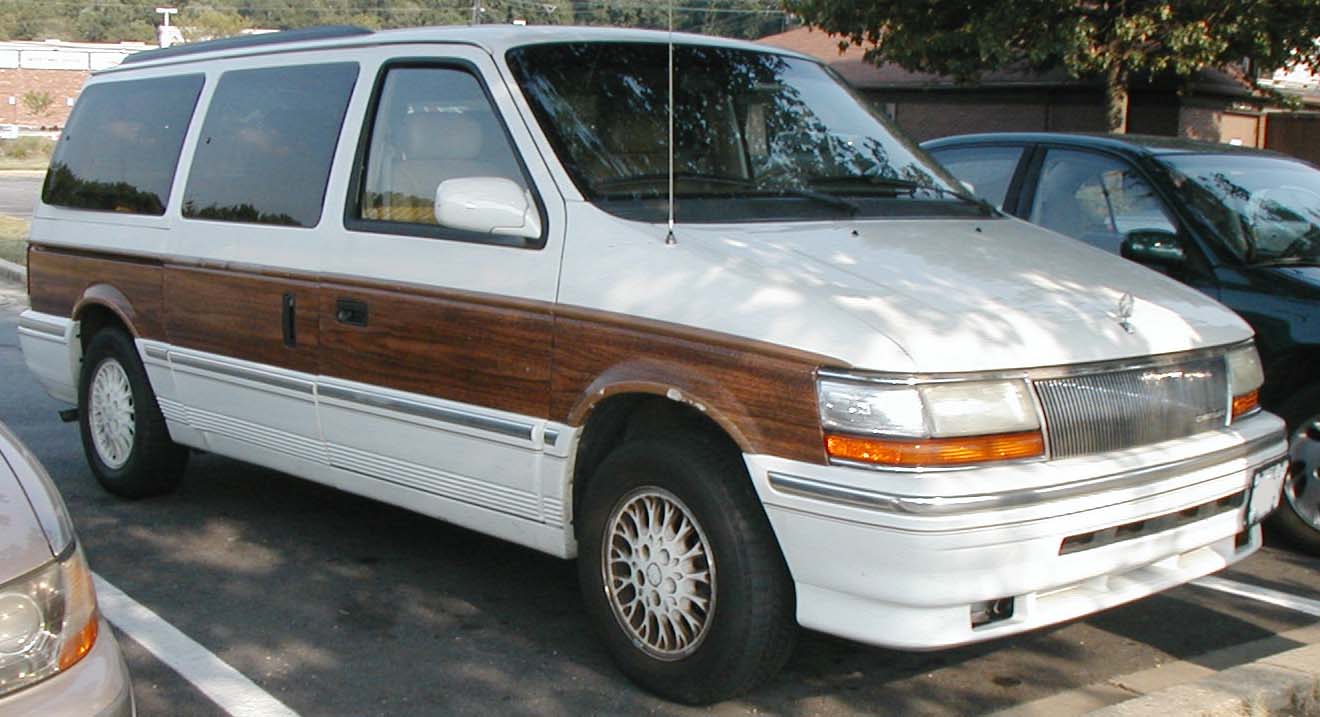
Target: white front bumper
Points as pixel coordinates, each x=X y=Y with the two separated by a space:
x=898 y=559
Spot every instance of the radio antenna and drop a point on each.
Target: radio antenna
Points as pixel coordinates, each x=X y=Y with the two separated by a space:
x=670 y=238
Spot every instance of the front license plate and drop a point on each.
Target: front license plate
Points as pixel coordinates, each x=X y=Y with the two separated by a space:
x=1266 y=487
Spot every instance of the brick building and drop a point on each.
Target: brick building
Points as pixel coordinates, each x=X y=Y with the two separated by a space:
x=52 y=68
x=1217 y=105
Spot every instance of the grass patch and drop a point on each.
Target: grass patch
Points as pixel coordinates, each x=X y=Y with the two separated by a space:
x=13 y=239
x=25 y=153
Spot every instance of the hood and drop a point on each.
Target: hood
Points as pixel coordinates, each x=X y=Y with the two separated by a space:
x=23 y=545
x=963 y=295
x=900 y=295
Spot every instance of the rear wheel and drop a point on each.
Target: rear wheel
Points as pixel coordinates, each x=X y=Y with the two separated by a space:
x=1298 y=515
x=124 y=436
x=680 y=571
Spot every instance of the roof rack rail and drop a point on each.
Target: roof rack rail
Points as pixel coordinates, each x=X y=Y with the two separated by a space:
x=323 y=32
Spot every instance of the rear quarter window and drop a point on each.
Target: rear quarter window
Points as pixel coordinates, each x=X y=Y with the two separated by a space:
x=267 y=144
x=120 y=149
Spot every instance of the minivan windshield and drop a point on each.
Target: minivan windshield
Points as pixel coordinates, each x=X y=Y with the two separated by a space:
x=1266 y=210
x=757 y=136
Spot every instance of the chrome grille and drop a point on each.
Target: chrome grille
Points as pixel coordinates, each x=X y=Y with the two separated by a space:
x=1095 y=413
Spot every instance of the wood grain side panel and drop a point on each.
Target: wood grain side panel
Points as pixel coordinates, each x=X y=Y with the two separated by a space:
x=61 y=281
x=454 y=348
x=241 y=315
x=532 y=358
x=765 y=397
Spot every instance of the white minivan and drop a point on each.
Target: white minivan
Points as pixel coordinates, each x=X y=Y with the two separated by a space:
x=437 y=267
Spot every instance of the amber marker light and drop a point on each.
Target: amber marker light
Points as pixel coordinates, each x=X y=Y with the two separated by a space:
x=1246 y=403
x=936 y=452
x=79 y=644
x=1245 y=377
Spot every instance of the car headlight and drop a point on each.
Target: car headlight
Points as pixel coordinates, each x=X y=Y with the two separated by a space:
x=939 y=423
x=48 y=621
x=1245 y=377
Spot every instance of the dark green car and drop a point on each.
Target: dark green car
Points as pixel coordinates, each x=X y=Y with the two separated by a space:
x=1241 y=225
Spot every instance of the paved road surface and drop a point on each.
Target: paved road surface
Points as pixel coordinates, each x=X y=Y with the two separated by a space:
x=336 y=605
x=18 y=192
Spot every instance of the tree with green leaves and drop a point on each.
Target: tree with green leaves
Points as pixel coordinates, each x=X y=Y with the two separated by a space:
x=1112 y=39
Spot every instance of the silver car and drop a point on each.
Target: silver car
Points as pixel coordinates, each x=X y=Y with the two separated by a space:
x=57 y=654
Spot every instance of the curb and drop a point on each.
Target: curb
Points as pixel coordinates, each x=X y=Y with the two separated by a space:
x=1287 y=683
x=9 y=271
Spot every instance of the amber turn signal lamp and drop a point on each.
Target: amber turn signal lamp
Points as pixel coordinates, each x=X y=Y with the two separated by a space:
x=934 y=452
x=77 y=646
x=1246 y=403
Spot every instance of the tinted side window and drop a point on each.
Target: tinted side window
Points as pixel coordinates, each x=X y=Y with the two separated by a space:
x=988 y=169
x=266 y=147
x=121 y=147
x=430 y=124
x=1096 y=198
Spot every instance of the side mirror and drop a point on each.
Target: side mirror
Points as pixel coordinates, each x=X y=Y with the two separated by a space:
x=487 y=205
x=1154 y=247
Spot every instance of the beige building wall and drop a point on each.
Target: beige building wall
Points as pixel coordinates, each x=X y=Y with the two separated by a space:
x=1224 y=126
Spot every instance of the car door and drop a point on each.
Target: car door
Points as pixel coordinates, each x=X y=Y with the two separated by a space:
x=992 y=170
x=241 y=283
x=435 y=342
x=1107 y=201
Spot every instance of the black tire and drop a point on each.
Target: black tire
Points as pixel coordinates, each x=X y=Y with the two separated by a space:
x=750 y=628
x=1298 y=516
x=150 y=464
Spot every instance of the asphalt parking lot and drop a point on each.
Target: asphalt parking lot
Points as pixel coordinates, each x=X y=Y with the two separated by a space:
x=334 y=605
x=18 y=192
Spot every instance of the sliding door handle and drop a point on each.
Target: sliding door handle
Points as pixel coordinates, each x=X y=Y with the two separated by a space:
x=288 y=321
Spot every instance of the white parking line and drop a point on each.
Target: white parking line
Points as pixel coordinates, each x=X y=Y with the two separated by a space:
x=226 y=686
x=1266 y=595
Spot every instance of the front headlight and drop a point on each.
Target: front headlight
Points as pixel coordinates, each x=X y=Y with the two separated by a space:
x=1245 y=377
x=939 y=423
x=48 y=622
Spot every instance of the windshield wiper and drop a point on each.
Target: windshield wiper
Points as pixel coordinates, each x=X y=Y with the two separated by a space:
x=822 y=197
x=902 y=185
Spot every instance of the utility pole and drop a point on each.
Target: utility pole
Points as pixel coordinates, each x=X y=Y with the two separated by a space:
x=166 y=35
x=476 y=8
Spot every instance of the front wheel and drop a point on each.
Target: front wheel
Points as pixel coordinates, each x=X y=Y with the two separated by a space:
x=1298 y=515
x=124 y=436
x=681 y=572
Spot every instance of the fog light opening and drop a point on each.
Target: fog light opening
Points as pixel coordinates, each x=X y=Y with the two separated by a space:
x=991 y=611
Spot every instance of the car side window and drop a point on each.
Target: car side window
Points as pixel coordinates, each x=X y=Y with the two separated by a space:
x=121 y=147
x=430 y=125
x=267 y=144
x=1097 y=199
x=988 y=169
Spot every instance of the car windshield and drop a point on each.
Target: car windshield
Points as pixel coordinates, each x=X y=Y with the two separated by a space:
x=1266 y=210
x=757 y=136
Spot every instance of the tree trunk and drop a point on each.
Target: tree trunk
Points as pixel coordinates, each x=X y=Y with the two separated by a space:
x=1116 y=99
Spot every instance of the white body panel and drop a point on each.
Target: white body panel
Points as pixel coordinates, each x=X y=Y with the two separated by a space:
x=378 y=443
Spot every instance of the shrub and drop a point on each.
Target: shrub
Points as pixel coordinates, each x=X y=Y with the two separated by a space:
x=26 y=148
